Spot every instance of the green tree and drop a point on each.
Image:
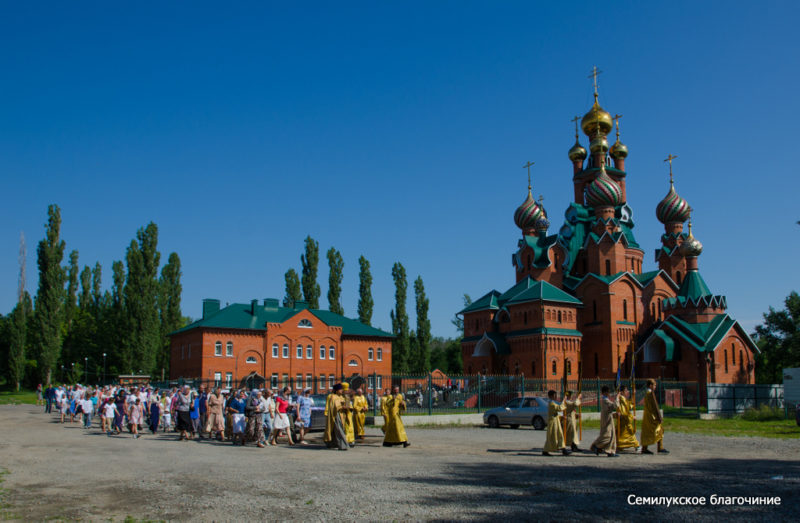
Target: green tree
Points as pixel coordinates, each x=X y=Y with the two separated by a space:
x=779 y=340
x=169 y=306
x=115 y=324
x=18 y=339
x=455 y=362
x=97 y=282
x=72 y=289
x=457 y=321
x=310 y=263
x=399 y=316
x=49 y=313
x=141 y=299
x=422 y=356
x=365 y=303
x=85 y=297
x=336 y=266
x=292 y=288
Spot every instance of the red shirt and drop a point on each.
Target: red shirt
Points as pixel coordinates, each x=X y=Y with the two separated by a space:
x=282 y=404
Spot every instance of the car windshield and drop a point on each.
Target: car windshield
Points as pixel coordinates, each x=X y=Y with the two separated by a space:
x=514 y=404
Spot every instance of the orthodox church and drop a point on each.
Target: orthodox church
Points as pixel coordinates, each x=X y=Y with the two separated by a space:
x=581 y=296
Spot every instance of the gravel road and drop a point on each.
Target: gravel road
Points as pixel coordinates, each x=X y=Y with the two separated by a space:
x=65 y=472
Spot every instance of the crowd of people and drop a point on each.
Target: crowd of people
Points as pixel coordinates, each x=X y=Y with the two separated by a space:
x=617 y=423
x=258 y=416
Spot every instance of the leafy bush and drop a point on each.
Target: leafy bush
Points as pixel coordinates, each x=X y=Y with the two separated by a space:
x=763 y=413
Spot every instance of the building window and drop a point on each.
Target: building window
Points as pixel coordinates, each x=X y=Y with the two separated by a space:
x=228 y=379
x=726 y=360
x=322 y=381
x=183 y=351
x=525 y=317
x=218 y=349
x=299 y=352
x=608 y=267
x=322 y=352
x=229 y=349
x=370 y=382
x=217 y=379
x=533 y=368
x=380 y=354
x=559 y=316
x=733 y=354
x=304 y=323
x=309 y=352
x=380 y=382
x=251 y=359
x=555 y=368
x=285 y=380
x=352 y=363
x=653 y=310
x=332 y=353
x=370 y=353
x=285 y=350
x=273 y=381
x=298 y=382
x=331 y=381
x=741 y=358
x=624 y=309
x=568 y=363
x=274 y=350
x=309 y=381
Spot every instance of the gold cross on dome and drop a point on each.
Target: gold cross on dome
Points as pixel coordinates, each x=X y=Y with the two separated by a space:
x=576 y=119
x=528 y=166
x=541 y=199
x=593 y=76
x=616 y=121
x=669 y=159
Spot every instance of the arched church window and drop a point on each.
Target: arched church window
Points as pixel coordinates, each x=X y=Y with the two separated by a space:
x=726 y=360
x=608 y=267
x=624 y=309
x=559 y=316
x=555 y=368
x=733 y=354
x=653 y=310
x=568 y=363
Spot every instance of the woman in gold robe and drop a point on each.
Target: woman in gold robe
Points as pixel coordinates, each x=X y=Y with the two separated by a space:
x=360 y=406
x=572 y=437
x=555 y=433
x=626 y=438
x=395 y=433
x=607 y=440
x=652 y=429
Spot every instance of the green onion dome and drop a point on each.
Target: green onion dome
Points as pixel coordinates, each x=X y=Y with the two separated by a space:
x=526 y=214
x=603 y=191
x=673 y=208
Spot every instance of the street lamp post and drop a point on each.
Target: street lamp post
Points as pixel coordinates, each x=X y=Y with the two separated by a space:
x=72 y=372
x=104 y=368
x=86 y=370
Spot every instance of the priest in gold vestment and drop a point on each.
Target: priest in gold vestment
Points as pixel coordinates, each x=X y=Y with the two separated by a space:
x=572 y=403
x=607 y=440
x=395 y=432
x=626 y=438
x=555 y=434
x=652 y=428
x=360 y=406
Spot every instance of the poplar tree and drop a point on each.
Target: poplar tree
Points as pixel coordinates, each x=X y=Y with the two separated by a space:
x=97 y=293
x=18 y=339
x=72 y=289
x=310 y=264
x=292 y=288
x=141 y=299
x=115 y=323
x=169 y=306
x=336 y=266
x=49 y=314
x=365 y=303
x=399 y=318
x=423 y=335
x=85 y=297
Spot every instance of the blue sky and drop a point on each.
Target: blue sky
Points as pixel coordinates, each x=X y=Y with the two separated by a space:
x=393 y=130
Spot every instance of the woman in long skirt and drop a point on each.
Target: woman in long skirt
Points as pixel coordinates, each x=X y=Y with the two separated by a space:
x=155 y=415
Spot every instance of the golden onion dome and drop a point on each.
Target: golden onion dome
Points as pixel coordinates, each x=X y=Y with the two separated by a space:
x=599 y=145
x=577 y=152
x=596 y=118
x=691 y=246
x=619 y=150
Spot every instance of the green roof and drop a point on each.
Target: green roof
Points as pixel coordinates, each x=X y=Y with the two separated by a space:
x=241 y=316
x=693 y=286
x=486 y=302
x=542 y=291
x=541 y=246
x=704 y=337
x=499 y=342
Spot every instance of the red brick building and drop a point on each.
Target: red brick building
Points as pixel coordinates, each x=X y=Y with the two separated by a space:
x=582 y=293
x=263 y=342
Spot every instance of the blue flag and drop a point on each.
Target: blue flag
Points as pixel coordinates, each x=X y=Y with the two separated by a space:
x=619 y=376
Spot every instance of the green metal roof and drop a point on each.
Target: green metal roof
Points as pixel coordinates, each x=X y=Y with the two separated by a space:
x=543 y=291
x=499 y=342
x=241 y=316
x=669 y=345
x=541 y=246
x=486 y=302
x=693 y=286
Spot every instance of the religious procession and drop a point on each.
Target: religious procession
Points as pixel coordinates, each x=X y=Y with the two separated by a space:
x=261 y=417
x=617 y=423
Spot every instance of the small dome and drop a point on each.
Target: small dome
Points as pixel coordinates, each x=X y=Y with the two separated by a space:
x=596 y=118
x=673 y=208
x=599 y=145
x=577 y=152
x=691 y=246
x=603 y=191
x=542 y=224
x=619 y=150
x=526 y=214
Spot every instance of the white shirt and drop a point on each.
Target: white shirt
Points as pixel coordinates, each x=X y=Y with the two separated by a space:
x=87 y=406
x=108 y=410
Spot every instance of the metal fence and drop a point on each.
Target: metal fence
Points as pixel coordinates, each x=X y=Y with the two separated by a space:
x=735 y=399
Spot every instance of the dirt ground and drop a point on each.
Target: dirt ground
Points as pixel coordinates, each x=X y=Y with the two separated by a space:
x=54 y=471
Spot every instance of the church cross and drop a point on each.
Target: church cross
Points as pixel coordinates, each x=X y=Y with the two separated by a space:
x=576 y=125
x=669 y=159
x=593 y=76
x=616 y=121
x=528 y=166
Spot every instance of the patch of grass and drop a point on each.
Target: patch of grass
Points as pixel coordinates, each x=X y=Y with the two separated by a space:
x=779 y=428
x=763 y=413
x=26 y=397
